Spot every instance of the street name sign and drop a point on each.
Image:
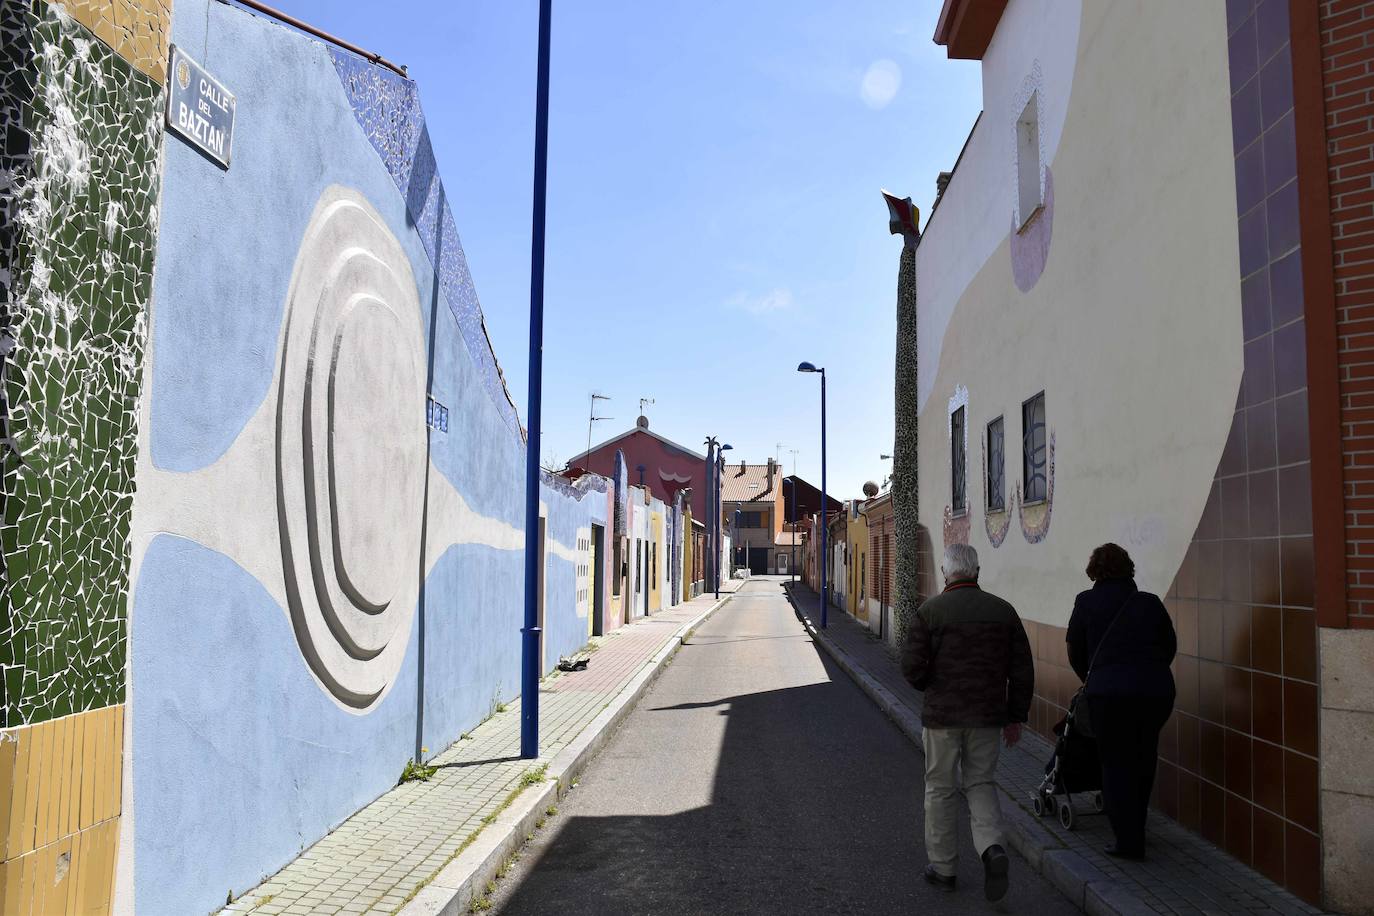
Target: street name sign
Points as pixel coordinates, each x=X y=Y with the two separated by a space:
x=199 y=109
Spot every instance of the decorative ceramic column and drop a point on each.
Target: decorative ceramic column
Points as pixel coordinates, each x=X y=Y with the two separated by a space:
x=904 y=220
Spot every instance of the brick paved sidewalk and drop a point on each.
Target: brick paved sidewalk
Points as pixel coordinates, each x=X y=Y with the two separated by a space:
x=381 y=856
x=1184 y=874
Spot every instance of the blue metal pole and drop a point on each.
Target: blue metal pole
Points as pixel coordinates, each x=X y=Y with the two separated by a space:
x=825 y=557
x=529 y=668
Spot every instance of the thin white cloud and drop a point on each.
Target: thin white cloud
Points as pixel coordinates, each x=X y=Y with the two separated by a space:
x=880 y=83
x=775 y=300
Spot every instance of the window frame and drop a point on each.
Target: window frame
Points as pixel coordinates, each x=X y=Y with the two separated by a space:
x=958 y=459
x=1027 y=446
x=996 y=459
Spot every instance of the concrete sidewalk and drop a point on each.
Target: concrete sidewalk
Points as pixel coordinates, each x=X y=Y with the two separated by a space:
x=1184 y=874
x=427 y=846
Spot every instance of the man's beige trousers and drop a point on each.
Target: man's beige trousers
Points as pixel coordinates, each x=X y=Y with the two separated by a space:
x=950 y=752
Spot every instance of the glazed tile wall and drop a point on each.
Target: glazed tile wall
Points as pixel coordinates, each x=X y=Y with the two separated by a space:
x=80 y=101
x=1238 y=760
x=60 y=804
x=136 y=29
x=85 y=127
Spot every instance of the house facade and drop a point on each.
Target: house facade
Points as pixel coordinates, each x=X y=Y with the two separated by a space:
x=754 y=491
x=1139 y=303
x=653 y=461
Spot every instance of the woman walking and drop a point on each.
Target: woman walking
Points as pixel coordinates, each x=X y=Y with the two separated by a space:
x=1121 y=644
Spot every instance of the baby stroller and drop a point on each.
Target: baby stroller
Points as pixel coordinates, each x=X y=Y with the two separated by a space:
x=1074 y=769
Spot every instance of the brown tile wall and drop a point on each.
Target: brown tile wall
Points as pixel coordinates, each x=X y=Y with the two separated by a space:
x=1238 y=760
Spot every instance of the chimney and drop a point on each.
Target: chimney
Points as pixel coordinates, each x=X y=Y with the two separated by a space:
x=772 y=469
x=942 y=182
x=741 y=467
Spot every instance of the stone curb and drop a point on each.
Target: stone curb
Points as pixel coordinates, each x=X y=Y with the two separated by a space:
x=463 y=880
x=1072 y=875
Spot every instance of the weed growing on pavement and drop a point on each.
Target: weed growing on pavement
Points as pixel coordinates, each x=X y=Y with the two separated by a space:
x=534 y=776
x=417 y=772
x=539 y=824
x=480 y=904
x=500 y=707
x=551 y=810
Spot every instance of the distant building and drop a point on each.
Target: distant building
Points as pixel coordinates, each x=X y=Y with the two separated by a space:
x=653 y=461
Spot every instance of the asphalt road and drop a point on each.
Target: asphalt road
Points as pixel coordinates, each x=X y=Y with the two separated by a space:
x=753 y=778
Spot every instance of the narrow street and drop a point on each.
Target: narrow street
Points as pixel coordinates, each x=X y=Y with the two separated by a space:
x=754 y=777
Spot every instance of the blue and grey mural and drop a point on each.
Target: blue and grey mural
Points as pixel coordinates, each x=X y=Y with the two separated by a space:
x=299 y=530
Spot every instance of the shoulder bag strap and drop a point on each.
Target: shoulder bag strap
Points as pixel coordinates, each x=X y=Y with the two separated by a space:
x=1106 y=633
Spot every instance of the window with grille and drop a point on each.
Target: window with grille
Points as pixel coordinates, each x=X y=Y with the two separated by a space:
x=997 y=466
x=958 y=495
x=1033 y=454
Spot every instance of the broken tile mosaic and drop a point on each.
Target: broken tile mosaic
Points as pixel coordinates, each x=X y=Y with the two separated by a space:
x=82 y=130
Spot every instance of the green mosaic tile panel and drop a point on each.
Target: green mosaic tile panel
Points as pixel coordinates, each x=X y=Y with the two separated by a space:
x=81 y=129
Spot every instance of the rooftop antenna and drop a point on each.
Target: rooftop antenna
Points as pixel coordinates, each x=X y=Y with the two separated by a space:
x=592 y=417
x=794 y=460
x=642 y=402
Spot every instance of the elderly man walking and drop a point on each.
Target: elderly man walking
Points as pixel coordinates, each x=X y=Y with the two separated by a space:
x=968 y=652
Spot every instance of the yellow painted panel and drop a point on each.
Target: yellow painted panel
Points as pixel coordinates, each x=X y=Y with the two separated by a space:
x=56 y=777
x=97 y=872
x=40 y=735
x=99 y=763
x=18 y=791
x=52 y=740
x=21 y=872
x=118 y=791
x=62 y=776
x=9 y=748
x=61 y=877
x=9 y=887
x=74 y=767
x=73 y=875
x=45 y=860
x=90 y=750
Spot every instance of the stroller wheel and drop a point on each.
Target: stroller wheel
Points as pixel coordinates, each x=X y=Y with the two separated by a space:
x=1066 y=814
x=1098 y=803
x=1038 y=805
x=1051 y=803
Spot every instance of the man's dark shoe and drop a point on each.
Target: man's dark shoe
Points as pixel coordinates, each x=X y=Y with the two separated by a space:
x=995 y=868
x=944 y=882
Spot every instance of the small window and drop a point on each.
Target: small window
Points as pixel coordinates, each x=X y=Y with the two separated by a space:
x=997 y=466
x=1028 y=160
x=957 y=440
x=1033 y=448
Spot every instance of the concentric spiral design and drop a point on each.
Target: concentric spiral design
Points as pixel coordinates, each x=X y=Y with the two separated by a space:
x=351 y=448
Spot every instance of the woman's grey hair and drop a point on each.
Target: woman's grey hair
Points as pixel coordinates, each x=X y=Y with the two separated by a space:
x=960 y=562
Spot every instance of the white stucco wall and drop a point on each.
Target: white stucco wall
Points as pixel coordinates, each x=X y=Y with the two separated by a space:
x=1132 y=329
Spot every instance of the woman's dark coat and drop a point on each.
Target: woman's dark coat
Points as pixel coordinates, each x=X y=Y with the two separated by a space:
x=1139 y=649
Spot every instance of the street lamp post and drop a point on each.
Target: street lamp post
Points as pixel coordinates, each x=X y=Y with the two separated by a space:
x=825 y=590
x=714 y=460
x=792 y=523
x=529 y=668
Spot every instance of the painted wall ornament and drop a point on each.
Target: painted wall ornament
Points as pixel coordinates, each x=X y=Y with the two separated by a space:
x=996 y=523
x=351 y=453
x=1035 y=518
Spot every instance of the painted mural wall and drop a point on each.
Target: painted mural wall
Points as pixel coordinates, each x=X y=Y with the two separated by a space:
x=80 y=97
x=1135 y=240
x=321 y=579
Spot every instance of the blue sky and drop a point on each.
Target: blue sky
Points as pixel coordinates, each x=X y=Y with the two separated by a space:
x=714 y=215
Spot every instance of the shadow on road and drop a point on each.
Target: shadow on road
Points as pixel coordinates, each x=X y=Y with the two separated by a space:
x=814 y=805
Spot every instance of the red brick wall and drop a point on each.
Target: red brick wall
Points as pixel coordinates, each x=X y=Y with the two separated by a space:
x=1347 y=38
